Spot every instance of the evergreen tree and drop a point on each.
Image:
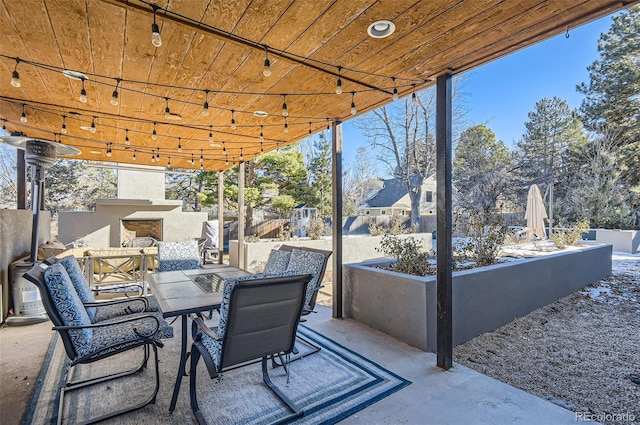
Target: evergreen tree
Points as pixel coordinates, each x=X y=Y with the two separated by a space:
x=481 y=169
x=612 y=100
x=320 y=175
x=546 y=151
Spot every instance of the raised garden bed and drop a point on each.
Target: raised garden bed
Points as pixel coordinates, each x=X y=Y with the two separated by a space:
x=484 y=298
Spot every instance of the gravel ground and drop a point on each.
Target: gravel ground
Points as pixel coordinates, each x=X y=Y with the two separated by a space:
x=581 y=352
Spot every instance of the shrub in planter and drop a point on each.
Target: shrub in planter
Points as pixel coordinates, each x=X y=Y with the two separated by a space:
x=570 y=236
x=410 y=257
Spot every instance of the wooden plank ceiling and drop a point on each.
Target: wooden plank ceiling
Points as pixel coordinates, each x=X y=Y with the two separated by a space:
x=214 y=51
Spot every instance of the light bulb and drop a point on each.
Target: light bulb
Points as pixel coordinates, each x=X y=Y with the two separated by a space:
x=339 y=86
x=167 y=113
x=63 y=129
x=211 y=138
x=15 y=79
x=109 y=152
x=205 y=109
x=154 y=135
x=93 y=126
x=286 y=127
x=23 y=117
x=395 y=93
x=134 y=155
x=153 y=158
x=114 y=98
x=266 y=71
x=155 y=34
x=83 y=96
x=179 y=147
x=414 y=99
x=285 y=111
x=233 y=120
x=353 y=108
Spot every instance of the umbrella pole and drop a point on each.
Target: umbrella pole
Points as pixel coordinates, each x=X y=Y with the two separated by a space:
x=36 y=186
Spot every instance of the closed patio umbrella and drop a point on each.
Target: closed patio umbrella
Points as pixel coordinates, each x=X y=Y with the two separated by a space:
x=535 y=213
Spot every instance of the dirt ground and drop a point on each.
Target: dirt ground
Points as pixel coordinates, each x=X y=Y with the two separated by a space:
x=580 y=352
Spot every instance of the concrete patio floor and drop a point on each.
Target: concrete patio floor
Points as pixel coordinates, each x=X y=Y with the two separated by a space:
x=457 y=396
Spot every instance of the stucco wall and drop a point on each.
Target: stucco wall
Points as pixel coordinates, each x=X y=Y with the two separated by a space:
x=15 y=243
x=354 y=249
x=101 y=229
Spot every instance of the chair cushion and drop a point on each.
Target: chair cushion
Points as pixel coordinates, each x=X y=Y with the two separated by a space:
x=110 y=311
x=81 y=285
x=69 y=306
x=277 y=262
x=178 y=256
x=104 y=336
x=307 y=262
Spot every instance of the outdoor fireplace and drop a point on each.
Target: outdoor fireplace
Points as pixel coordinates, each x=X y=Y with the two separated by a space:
x=140 y=227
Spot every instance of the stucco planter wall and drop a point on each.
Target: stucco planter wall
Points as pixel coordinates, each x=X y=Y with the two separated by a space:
x=484 y=298
x=354 y=249
x=622 y=240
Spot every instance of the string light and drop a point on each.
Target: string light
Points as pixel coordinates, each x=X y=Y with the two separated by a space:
x=395 y=89
x=226 y=160
x=167 y=111
x=192 y=161
x=169 y=162
x=134 y=154
x=286 y=125
x=224 y=148
x=202 y=166
x=156 y=40
x=261 y=148
x=15 y=76
x=241 y=156
x=201 y=156
x=285 y=111
x=23 y=116
x=261 y=134
x=126 y=138
x=93 y=125
x=414 y=98
x=339 y=82
x=4 y=125
x=353 y=103
x=158 y=154
x=210 y=135
x=233 y=120
x=109 y=149
x=266 y=71
x=205 y=106
x=83 y=92
x=114 y=95
x=153 y=157
x=179 y=145
x=154 y=135
x=63 y=129
x=327 y=123
x=309 y=127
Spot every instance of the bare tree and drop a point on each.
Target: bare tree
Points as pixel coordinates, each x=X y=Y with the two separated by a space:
x=404 y=136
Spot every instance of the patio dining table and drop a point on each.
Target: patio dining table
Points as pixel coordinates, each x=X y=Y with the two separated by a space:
x=181 y=293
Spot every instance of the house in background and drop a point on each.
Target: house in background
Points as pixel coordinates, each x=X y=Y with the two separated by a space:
x=393 y=199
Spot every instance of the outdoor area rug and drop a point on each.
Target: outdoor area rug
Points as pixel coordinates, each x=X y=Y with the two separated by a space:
x=330 y=385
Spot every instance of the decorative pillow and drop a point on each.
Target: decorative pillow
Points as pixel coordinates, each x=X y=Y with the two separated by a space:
x=81 y=285
x=307 y=262
x=178 y=256
x=69 y=306
x=277 y=262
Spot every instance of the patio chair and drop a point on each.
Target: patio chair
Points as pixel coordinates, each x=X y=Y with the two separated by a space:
x=301 y=260
x=102 y=310
x=85 y=342
x=184 y=255
x=258 y=319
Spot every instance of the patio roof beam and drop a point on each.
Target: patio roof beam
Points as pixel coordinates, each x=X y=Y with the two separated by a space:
x=444 y=214
x=232 y=38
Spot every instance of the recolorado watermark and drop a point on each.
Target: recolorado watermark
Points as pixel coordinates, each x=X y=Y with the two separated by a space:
x=602 y=417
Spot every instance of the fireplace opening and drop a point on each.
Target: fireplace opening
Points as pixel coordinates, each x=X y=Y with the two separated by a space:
x=140 y=227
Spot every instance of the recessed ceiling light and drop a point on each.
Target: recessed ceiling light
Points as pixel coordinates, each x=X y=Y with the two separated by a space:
x=260 y=114
x=381 y=29
x=74 y=75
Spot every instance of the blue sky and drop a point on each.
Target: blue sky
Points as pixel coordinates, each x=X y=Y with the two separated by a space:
x=502 y=93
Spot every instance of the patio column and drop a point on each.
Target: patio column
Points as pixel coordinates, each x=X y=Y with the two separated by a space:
x=336 y=218
x=444 y=278
x=220 y=216
x=21 y=181
x=241 y=215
